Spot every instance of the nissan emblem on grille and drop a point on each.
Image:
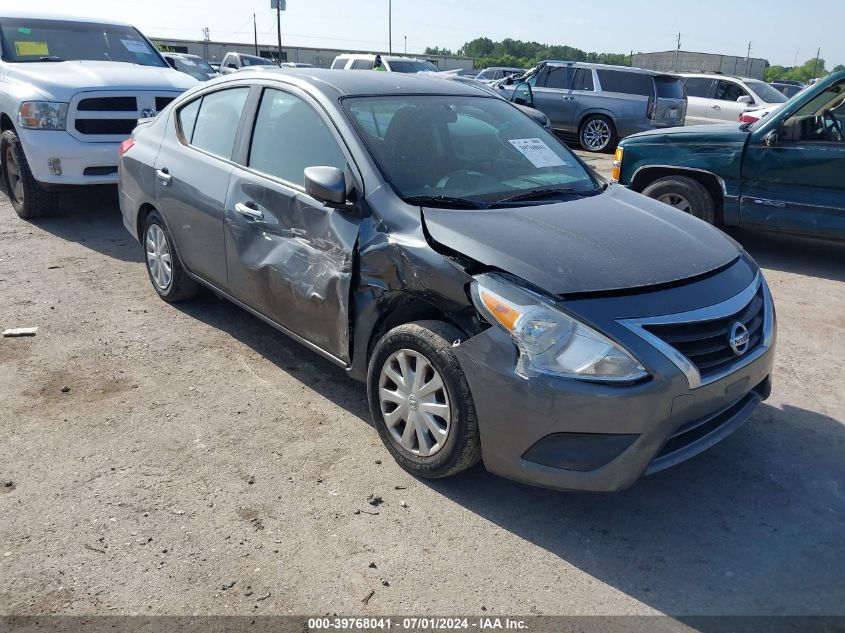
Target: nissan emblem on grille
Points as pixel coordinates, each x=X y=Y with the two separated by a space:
x=739 y=338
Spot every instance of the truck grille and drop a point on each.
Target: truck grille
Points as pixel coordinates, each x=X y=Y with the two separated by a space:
x=706 y=343
x=106 y=126
x=163 y=102
x=108 y=104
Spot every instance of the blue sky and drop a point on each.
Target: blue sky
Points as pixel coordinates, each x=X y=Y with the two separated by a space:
x=777 y=29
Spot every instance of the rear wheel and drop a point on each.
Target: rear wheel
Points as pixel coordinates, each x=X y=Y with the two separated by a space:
x=29 y=199
x=166 y=273
x=597 y=134
x=685 y=194
x=420 y=400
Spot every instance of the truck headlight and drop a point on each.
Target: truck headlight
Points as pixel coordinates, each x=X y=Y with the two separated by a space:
x=549 y=340
x=42 y=115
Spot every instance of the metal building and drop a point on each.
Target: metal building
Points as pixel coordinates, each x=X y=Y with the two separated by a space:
x=689 y=62
x=321 y=57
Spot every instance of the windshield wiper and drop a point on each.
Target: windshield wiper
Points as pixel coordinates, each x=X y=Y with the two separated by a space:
x=52 y=58
x=447 y=201
x=538 y=194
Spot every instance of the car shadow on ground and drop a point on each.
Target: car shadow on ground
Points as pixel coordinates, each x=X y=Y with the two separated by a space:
x=787 y=253
x=93 y=219
x=753 y=526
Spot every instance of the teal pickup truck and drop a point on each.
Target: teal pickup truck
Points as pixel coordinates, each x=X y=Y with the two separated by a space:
x=785 y=172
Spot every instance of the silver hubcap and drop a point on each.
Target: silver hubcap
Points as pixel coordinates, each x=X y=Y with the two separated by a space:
x=596 y=134
x=14 y=174
x=159 y=261
x=677 y=201
x=414 y=403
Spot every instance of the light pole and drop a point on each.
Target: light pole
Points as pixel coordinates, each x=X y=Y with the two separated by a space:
x=390 y=26
x=406 y=44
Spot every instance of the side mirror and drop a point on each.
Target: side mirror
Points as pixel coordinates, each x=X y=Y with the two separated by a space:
x=745 y=99
x=326 y=184
x=771 y=139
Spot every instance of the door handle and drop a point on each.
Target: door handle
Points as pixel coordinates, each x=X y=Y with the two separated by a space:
x=716 y=107
x=249 y=212
x=569 y=98
x=163 y=175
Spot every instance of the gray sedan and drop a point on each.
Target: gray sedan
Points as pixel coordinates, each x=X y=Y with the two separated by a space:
x=499 y=299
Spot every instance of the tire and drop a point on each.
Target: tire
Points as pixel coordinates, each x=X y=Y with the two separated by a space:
x=597 y=134
x=159 y=256
x=686 y=194
x=460 y=446
x=28 y=197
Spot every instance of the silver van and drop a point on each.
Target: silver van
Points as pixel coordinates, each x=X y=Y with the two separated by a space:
x=600 y=104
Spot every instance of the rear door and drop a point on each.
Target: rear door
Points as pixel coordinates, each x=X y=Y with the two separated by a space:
x=670 y=106
x=724 y=106
x=797 y=184
x=699 y=91
x=192 y=178
x=289 y=256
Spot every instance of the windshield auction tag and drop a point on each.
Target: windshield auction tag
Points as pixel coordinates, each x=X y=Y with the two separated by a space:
x=32 y=49
x=540 y=154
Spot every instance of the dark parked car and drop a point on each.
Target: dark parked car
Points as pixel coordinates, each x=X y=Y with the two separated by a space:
x=789 y=89
x=783 y=172
x=600 y=104
x=535 y=114
x=500 y=300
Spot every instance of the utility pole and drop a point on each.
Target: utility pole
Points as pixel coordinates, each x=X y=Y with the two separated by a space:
x=795 y=63
x=406 y=44
x=678 y=52
x=747 y=59
x=816 y=65
x=390 y=26
x=205 y=39
x=255 y=33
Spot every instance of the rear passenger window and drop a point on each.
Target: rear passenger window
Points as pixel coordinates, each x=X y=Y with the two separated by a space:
x=625 y=82
x=583 y=79
x=559 y=77
x=697 y=86
x=187 y=117
x=362 y=64
x=218 y=120
x=289 y=136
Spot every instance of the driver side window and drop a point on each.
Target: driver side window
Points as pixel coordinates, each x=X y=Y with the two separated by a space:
x=822 y=119
x=729 y=91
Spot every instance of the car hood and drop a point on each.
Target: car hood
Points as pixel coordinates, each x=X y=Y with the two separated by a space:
x=61 y=80
x=613 y=241
x=715 y=133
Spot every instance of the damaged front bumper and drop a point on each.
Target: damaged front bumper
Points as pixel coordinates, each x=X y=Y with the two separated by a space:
x=572 y=435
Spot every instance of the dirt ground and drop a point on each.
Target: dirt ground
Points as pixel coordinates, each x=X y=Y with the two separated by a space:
x=159 y=459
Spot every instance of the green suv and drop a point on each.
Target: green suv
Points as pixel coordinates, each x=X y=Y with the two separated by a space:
x=785 y=172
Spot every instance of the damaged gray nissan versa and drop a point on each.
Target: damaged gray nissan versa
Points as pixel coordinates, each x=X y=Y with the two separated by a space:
x=501 y=301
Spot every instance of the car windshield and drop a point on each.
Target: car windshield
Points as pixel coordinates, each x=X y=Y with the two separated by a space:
x=27 y=40
x=249 y=60
x=470 y=148
x=411 y=66
x=193 y=68
x=766 y=92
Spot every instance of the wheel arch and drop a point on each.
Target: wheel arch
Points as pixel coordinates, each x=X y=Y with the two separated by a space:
x=596 y=112
x=715 y=186
x=6 y=123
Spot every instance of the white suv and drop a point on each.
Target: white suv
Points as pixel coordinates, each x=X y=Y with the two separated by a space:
x=392 y=63
x=713 y=98
x=71 y=90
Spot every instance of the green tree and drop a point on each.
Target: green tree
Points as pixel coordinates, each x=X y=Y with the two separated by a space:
x=436 y=50
x=518 y=53
x=838 y=68
x=163 y=48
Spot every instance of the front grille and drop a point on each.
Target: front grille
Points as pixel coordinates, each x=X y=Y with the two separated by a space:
x=106 y=126
x=162 y=102
x=706 y=343
x=108 y=104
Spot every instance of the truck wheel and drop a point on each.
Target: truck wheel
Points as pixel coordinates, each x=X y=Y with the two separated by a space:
x=685 y=194
x=420 y=400
x=29 y=199
x=597 y=134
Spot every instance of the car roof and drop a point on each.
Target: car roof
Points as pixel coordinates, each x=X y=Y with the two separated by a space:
x=345 y=83
x=35 y=15
x=719 y=76
x=389 y=58
x=630 y=69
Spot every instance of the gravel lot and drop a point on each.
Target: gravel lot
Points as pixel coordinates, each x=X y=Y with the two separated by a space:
x=189 y=459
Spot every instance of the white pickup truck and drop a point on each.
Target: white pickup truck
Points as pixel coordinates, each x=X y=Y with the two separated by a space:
x=71 y=90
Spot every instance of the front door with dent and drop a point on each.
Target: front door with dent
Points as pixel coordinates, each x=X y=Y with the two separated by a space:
x=289 y=256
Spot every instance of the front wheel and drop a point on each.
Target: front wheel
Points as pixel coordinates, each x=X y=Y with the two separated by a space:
x=685 y=194
x=29 y=199
x=597 y=134
x=420 y=400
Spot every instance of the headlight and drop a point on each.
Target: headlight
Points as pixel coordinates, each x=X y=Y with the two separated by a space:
x=550 y=341
x=42 y=115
